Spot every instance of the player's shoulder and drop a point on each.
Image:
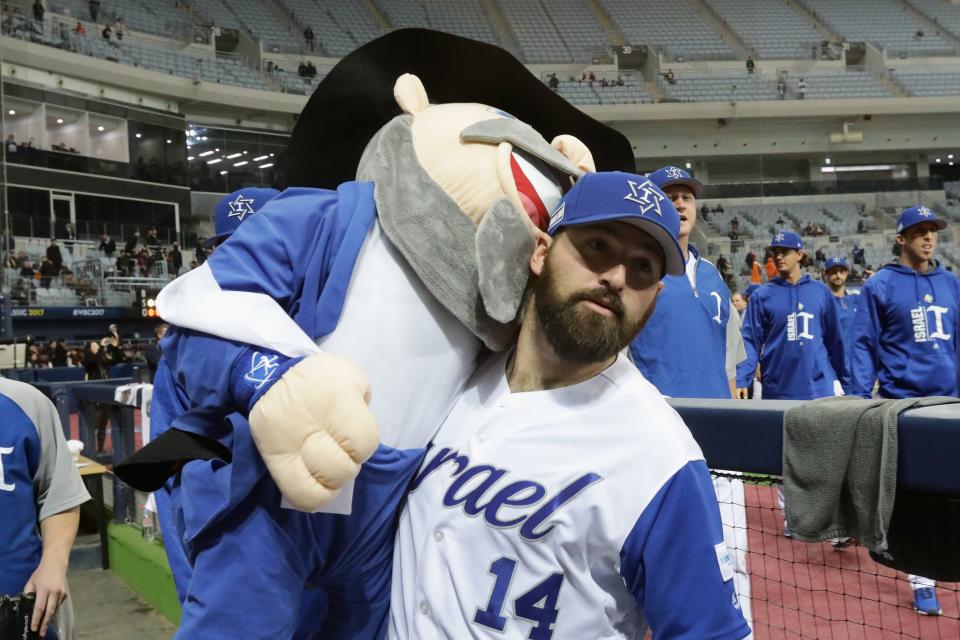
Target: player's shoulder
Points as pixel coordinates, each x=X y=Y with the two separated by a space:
x=637 y=406
x=24 y=401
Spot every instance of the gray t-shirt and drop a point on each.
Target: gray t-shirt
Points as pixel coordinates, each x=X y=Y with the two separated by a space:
x=57 y=485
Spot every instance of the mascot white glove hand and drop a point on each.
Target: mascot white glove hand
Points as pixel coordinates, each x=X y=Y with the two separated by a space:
x=313 y=429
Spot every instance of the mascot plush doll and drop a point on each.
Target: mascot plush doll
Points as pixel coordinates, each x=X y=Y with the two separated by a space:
x=318 y=350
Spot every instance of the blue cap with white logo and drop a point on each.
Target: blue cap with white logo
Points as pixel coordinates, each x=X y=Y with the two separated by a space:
x=916 y=215
x=787 y=240
x=835 y=261
x=667 y=176
x=625 y=197
x=236 y=207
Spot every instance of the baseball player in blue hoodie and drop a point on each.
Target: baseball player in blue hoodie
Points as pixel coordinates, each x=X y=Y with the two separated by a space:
x=835 y=273
x=905 y=333
x=793 y=329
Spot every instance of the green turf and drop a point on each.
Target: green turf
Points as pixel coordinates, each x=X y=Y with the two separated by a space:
x=142 y=564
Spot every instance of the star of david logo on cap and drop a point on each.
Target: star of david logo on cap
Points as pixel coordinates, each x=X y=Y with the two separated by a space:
x=646 y=195
x=778 y=237
x=674 y=173
x=240 y=207
x=924 y=212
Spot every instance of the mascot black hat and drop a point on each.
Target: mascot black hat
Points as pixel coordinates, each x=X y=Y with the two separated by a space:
x=356 y=99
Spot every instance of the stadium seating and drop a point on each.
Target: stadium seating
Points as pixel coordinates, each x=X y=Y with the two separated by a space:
x=884 y=23
x=158 y=17
x=339 y=26
x=945 y=14
x=844 y=84
x=466 y=18
x=929 y=83
x=771 y=29
x=718 y=87
x=537 y=34
x=582 y=93
x=672 y=26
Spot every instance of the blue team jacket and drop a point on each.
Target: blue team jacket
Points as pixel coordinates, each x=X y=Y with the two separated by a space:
x=846 y=309
x=905 y=333
x=793 y=330
x=682 y=348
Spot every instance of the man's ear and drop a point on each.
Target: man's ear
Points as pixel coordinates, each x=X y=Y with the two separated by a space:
x=900 y=240
x=541 y=248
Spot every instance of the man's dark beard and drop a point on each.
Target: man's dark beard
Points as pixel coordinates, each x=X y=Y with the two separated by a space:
x=576 y=333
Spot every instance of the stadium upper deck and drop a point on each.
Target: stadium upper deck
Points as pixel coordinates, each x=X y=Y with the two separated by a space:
x=163 y=35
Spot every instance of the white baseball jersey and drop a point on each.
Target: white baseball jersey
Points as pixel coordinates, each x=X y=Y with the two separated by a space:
x=580 y=512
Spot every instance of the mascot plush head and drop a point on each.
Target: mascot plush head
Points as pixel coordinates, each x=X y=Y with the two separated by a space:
x=454 y=135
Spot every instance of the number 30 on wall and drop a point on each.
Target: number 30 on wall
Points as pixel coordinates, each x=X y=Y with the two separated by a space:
x=539 y=604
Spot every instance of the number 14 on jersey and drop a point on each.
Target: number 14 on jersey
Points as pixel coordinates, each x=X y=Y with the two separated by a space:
x=539 y=604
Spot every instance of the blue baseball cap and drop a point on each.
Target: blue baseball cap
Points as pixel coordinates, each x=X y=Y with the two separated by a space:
x=835 y=261
x=236 y=207
x=916 y=215
x=625 y=197
x=787 y=240
x=670 y=175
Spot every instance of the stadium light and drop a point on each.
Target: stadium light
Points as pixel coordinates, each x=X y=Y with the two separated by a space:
x=827 y=160
x=215 y=161
x=240 y=164
x=234 y=155
x=950 y=156
x=12 y=112
x=224 y=172
x=264 y=166
x=169 y=141
x=59 y=120
x=138 y=136
x=939 y=160
x=689 y=166
x=100 y=128
x=206 y=153
x=189 y=158
x=259 y=158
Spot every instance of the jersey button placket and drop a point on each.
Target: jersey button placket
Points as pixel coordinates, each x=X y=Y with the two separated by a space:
x=424 y=608
x=438 y=535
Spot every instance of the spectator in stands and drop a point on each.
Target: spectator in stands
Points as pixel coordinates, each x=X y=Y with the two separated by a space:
x=175 y=258
x=723 y=265
x=153 y=353
x=770 y=267
x=153 y=238
x=553 y=82
x=58 y=353
x=54 y=255
x=11 y=144
x=755 y=272
x=858 y=256
x=704 y=210
x=302 y=69
x=591 y=78
x=132 y=243
x=27 y=271
x=905 y=334
x=739 y=303
x=119 y=26
x=751 y=65
x=789 y=340
x=308 y=37
x=47 y=272
x=38 y=11
x=801 y=89
x=40 y=485
x=820 y=257
x=80 y=30
x=107 y=245
x=719 y=209
x=749 y=259
x=96 y=362
x=782 y=87
x=107 y=33
x=670 y=77
x=94 y=6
